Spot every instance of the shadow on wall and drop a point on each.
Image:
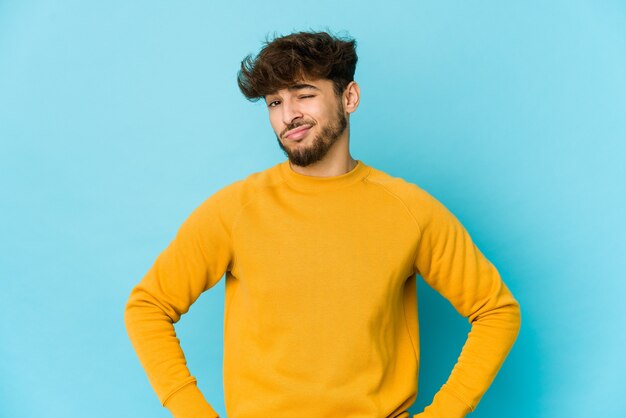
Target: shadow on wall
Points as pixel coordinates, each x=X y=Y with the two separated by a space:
x=442 y=335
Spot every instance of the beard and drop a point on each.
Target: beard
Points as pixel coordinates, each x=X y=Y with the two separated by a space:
x=304 y=156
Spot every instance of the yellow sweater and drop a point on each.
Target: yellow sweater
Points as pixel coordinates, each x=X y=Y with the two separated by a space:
x=320 y=307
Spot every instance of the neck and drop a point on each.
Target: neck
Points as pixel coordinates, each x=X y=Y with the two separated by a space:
x=337 y=161
x=327 y=168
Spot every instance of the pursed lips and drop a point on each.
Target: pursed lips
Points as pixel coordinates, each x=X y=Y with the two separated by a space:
x=297 y=130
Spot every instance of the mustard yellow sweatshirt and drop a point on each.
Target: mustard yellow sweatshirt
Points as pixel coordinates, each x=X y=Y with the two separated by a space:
x=320 y=307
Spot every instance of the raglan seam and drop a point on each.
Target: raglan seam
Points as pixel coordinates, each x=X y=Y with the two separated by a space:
x=419 y=233
x=190 y=380
x=417 y=225
x=241 y=183
x=206 y=253
x=257 y=192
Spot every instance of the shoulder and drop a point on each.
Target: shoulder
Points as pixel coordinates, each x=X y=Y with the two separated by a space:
x=229 y=199
x=432 y=217
x=425 y=208
x=412 y=194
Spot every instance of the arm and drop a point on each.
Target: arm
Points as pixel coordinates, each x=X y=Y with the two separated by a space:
x=192 y=263
x=451 y=263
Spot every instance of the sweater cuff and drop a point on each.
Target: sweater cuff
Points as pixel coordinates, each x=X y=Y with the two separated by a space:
x=188 y=402
x=447 y=405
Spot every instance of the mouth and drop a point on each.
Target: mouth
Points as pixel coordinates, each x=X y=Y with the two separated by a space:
x=298 y=132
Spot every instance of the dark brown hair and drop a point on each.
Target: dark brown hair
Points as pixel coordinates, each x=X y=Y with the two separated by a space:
x=285 y=60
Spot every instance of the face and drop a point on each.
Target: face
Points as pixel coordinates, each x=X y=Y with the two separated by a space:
x=307 y=118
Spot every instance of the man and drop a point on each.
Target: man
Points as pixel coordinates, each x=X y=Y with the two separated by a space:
x=320 y=253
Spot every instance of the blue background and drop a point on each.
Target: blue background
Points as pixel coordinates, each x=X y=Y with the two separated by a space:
x=118 y=118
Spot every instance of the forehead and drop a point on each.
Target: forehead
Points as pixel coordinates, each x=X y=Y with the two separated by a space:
x=320 y=85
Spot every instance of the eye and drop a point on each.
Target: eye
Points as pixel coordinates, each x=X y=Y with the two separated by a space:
x=307 y=96
x=273 y=103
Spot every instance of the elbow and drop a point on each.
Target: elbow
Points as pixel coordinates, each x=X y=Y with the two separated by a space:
x=137 y=308
x=504 y=314
x=141 y=306
x=509 y=311
x=517 y=313
x=510 y=317
x=131 y=310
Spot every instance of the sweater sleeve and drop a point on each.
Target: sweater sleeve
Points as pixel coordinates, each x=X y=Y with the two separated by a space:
x=450 y=262
x=194 y=261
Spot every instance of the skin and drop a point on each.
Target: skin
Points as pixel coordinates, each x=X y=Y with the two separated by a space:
x=324 y=149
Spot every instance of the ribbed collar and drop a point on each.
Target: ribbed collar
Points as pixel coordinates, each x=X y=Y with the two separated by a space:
x=315 y=183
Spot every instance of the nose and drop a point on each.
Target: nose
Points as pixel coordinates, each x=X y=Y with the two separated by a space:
x=291 y=112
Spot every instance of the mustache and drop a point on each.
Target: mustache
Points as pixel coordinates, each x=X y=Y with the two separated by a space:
x=296 y=125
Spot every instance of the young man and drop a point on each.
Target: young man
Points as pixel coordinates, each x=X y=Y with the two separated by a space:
x=320 y=253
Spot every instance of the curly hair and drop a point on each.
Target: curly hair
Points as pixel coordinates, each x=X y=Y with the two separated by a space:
x=285 y=60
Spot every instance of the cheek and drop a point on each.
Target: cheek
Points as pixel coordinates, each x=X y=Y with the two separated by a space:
x=275 y=124
x=321 y=114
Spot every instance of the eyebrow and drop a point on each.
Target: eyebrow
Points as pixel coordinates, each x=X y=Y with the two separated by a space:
x=302 y=86
x=297 y=87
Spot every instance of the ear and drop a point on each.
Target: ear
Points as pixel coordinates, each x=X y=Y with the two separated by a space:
x=351 y=97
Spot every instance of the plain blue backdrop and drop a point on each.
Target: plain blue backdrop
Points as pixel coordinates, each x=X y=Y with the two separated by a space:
x=118 y=118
